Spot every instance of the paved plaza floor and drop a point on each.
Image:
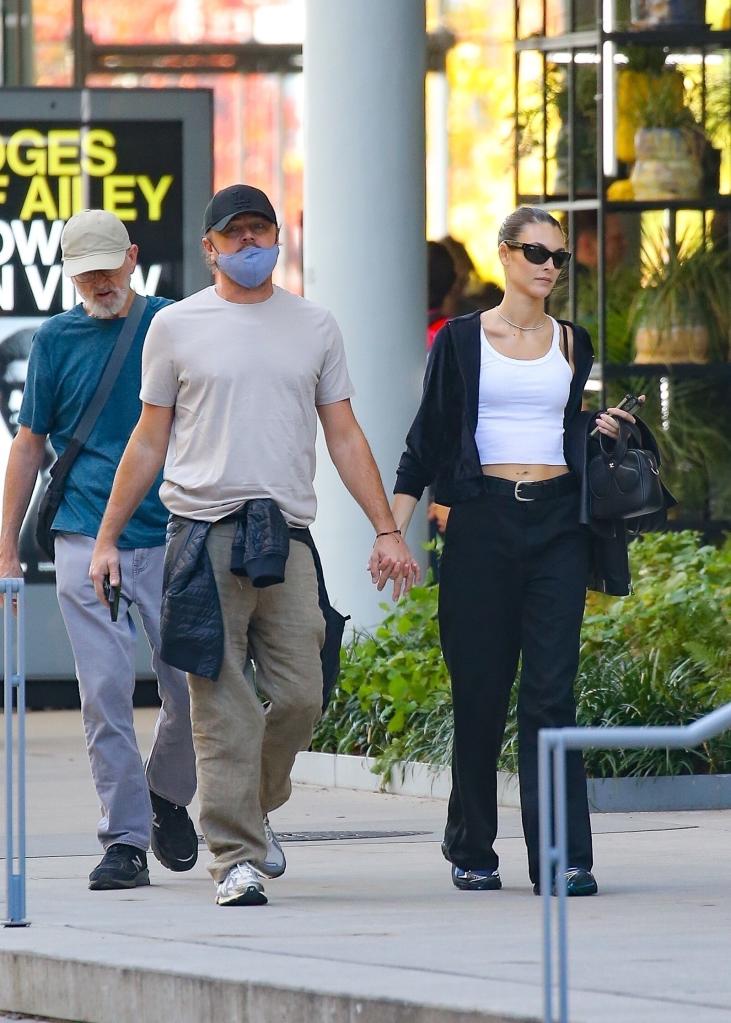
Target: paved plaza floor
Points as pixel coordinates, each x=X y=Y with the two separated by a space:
x=365 y=926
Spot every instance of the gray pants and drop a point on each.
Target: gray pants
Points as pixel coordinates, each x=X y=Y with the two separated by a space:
x=104 y=655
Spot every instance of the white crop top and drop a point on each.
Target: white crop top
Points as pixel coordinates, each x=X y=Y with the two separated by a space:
x=521 y=406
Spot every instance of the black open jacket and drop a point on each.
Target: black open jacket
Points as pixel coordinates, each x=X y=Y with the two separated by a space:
x=441 y=448
x=191 y=620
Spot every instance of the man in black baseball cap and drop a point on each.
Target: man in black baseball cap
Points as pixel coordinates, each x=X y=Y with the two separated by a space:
x=227 y=203
x=239 y=375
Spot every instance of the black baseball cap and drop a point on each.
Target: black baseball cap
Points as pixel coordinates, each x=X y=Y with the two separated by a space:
x=236 y=199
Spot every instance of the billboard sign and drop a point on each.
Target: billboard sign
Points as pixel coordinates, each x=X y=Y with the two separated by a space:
x=50 y=171
x=145 y=155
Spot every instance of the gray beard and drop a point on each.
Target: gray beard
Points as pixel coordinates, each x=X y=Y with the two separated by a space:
x=107 y=311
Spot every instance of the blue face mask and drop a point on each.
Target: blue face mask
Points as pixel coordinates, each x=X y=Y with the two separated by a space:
x=251 y=266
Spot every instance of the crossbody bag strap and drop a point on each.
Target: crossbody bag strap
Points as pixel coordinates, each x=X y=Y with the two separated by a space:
x=111 y=371
x=61 y=467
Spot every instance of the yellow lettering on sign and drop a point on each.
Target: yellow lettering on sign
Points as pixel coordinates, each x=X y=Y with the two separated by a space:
x=34 y=161
x=155 y=193
x=39 y=200
x=63 y=152
x=99 y=157
x=4 y=182
x=69 y=197
x=119 y=195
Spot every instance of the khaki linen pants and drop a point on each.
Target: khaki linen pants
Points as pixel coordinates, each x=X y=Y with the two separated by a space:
x=244 y=750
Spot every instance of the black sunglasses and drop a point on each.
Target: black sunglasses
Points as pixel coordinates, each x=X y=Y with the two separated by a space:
x=539 y=254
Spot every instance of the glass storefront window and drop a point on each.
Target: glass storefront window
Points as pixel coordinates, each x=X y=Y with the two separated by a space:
x=197 y=21
x=258 y=117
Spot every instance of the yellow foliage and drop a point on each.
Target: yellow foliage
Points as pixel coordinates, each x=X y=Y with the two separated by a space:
x=621 y=191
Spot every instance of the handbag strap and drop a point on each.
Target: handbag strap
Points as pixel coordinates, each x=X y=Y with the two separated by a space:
x=104 y=388
x=627 y=432
x=565 y=338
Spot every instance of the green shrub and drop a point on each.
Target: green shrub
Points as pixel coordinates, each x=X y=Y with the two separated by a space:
x=393 y=699
x=661 y=656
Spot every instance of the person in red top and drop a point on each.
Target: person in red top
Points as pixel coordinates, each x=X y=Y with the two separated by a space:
x=441 y=277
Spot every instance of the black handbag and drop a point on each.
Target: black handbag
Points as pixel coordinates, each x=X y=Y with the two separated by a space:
x=624 y=482
x=51 y=500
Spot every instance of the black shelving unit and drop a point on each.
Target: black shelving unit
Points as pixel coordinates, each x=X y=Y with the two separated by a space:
x=545 y=112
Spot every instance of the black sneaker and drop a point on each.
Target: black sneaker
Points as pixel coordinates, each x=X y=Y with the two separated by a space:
x=174 y=839
x=476 y=880
x=122 y=866
x=578 y=882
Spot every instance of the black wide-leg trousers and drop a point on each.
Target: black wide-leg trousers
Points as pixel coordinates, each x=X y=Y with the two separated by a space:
x=512 y=585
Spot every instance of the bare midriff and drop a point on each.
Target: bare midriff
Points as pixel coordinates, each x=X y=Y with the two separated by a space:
x=528 y=473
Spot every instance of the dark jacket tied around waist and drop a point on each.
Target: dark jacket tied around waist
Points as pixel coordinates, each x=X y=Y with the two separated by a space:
x=441 y=447
x=191 y=623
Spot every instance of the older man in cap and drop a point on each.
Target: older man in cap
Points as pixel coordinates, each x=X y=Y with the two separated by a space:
x=139 y=804
x=234 y=380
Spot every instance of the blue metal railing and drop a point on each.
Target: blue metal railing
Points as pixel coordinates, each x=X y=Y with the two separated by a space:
x=553 y=744
x=13 y=591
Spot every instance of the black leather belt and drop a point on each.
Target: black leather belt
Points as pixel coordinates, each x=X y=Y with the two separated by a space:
x=524 y=490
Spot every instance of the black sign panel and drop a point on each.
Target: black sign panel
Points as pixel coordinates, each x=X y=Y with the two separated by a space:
x=143 y=155
x=50 y=171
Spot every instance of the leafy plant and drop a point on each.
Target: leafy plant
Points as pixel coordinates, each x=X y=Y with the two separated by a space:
x=663 y=104
x=691 y=421
x=661 y=656
x=530 y=121
x=680 y=609
x=621 y=288
x=393 y=686
x=649 y=59
x=685 y=284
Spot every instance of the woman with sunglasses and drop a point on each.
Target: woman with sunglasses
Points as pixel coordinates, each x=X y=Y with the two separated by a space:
x=501 y=432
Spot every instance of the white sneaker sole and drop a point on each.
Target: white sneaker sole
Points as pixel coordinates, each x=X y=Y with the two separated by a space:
x=253 y=896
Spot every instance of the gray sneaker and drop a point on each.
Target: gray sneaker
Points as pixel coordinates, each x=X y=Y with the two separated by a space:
x=241 y=887
x=275 y=864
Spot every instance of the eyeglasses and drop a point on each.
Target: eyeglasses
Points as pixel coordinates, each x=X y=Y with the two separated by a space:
x=539 y=254
x=92 y=275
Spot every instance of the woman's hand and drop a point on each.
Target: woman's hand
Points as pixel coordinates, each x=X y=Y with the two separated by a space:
x=606 y=422
x=392 y=559
x=438 y=513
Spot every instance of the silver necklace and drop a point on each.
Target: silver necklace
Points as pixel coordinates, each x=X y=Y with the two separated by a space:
x=517 y=325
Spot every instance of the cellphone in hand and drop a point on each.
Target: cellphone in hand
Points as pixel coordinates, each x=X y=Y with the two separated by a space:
x=112 y=594
x=628 y=404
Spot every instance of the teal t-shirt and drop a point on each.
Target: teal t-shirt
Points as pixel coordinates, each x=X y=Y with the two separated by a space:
x=67 y=358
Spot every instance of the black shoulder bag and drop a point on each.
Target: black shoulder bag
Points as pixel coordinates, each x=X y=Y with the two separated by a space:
x=624 y=482
x=60 y=469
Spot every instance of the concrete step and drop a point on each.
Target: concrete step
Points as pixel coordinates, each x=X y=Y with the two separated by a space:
x=94 y=992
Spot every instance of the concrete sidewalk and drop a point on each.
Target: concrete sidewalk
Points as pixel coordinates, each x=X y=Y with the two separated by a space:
x=361 y=929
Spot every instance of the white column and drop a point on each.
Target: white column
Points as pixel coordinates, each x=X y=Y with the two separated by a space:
x=364 y=250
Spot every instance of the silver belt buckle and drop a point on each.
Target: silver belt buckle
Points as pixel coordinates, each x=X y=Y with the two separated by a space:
x=517 y=492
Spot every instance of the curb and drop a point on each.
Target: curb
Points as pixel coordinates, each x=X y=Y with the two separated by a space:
x=606 y=795
x=92 y=992
x=408 y=778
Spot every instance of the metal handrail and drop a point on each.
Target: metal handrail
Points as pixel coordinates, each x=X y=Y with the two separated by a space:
x=13 y=591
x=552 y=746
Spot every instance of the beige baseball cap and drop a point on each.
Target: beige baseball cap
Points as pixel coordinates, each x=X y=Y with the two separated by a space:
x=93 y=240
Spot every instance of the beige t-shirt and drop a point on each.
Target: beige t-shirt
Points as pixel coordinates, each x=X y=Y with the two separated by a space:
x=245 y=381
